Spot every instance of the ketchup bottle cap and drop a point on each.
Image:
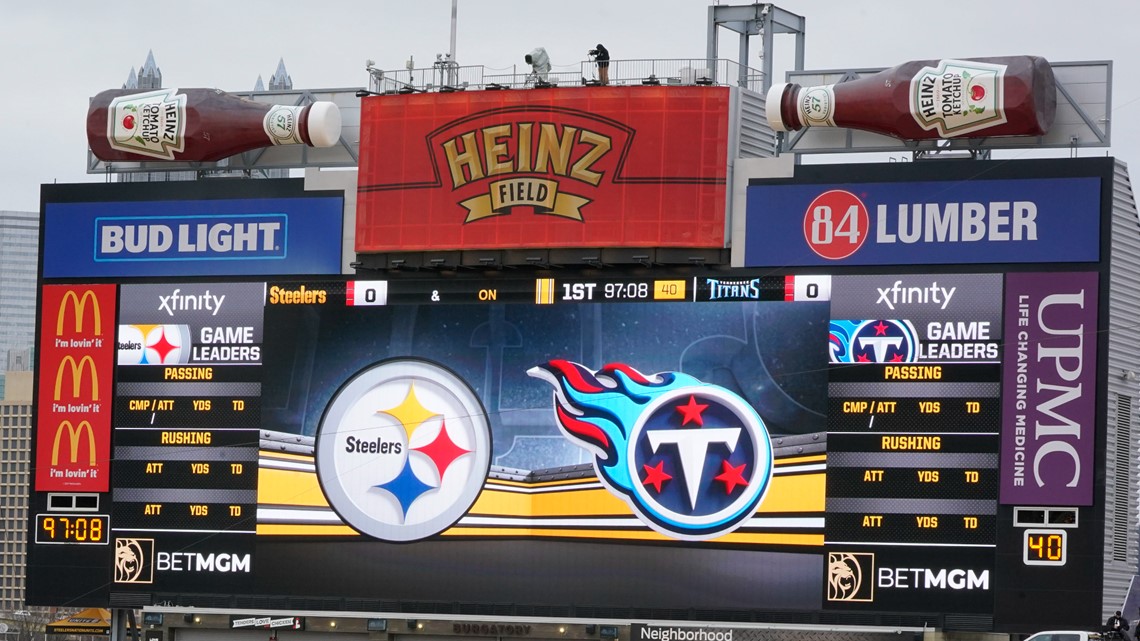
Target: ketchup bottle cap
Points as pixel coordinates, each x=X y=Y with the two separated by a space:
x=324 y=124
x=772 y=106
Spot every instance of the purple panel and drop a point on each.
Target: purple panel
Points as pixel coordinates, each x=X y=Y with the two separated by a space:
x=1049 y=389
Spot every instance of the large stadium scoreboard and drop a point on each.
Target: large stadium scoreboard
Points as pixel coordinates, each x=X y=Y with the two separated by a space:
x=812 y=441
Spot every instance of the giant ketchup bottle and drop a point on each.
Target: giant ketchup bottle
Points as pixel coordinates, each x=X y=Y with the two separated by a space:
x=977 y=97
x=200 y=125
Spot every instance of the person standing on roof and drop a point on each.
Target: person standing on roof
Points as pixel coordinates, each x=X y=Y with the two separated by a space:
x=539 y=62
x=602 y=56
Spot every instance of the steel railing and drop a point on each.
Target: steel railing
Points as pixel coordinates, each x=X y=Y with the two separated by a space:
x=678 y=71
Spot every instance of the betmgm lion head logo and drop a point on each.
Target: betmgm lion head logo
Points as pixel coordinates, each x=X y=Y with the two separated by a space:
x=849 y=576
x=134 y=560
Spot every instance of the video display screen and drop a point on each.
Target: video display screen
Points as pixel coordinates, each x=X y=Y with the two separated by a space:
x=737 y=441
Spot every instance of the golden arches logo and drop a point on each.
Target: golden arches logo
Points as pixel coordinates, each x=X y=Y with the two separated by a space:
x=79 y=306
x=85 y=364
x=73 y=434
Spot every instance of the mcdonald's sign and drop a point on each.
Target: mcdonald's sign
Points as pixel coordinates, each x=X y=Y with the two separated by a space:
x=73 y=434
x=79 y=306
x=77 y=368
x=73 y=426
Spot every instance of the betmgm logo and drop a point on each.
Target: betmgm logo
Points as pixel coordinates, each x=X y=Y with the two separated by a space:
x=134 y=560
x=850 y=576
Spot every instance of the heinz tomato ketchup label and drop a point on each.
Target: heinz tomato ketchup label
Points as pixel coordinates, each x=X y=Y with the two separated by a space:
x=958 y=97
x=151 y=123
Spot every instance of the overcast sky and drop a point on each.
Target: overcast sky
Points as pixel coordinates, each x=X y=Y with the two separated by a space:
x=55 y=55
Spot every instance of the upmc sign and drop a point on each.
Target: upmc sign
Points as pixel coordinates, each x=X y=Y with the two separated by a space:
x=867 y=216
x=1049 y=378
x=565 y=167
x=77 y=355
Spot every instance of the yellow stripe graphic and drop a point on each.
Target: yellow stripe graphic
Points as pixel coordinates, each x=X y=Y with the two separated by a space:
x=544 y=291
x=291 y=503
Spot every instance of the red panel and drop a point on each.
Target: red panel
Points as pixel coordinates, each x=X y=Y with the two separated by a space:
x=568 y=167
x=77 y=360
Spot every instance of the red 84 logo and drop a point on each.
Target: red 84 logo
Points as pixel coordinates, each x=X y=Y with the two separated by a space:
x=836 y=224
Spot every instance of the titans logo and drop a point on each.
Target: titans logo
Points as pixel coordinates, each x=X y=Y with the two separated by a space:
x=873 y=341
x=693 y=460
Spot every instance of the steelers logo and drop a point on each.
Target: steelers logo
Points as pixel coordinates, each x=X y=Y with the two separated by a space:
x=403 y=450
x=153 y=345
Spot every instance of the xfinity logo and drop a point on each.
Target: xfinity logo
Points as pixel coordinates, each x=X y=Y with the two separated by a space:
x=927 y=295
x=179 y=302
x=196 y=562
x=190 y=237
x=930 y=579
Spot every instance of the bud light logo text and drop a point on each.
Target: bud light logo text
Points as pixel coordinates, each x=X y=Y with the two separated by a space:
x=191 y=237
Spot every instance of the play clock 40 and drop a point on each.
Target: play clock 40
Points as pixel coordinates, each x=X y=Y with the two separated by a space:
x=90 y=529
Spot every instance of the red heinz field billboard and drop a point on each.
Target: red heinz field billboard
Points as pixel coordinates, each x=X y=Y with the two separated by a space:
x=569 y=167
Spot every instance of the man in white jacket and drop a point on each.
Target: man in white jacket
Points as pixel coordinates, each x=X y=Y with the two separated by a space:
x=539 y=62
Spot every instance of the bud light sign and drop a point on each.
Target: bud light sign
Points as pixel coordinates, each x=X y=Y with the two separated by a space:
x=191 y=237
x=198 y=228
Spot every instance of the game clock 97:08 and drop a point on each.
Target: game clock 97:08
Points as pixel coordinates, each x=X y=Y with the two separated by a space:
x=90 y=529
x=627 y=291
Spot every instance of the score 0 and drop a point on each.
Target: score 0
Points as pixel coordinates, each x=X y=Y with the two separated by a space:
x=836 y=224
x=366 y=292
x=1044 y=547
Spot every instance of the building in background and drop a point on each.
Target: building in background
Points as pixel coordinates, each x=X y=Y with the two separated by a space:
x=15 y=443
x=19 y=250
x=281 y=81
x=19 y=244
